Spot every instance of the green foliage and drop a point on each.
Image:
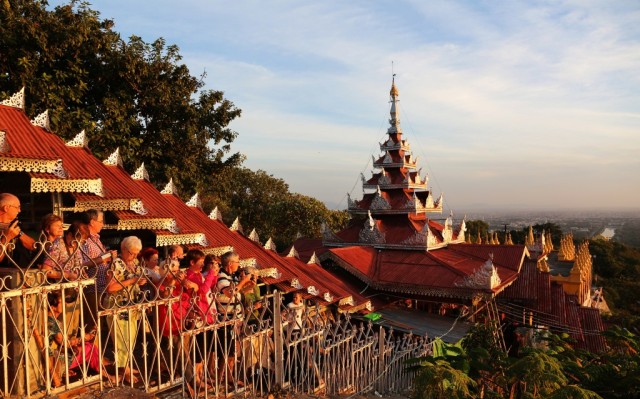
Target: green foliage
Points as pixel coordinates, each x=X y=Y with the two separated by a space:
x=537 y=373
x=617 y=267
x=128 y=94
x=264 y=202
x=439 y=379
x=473 y=226
x=573 y=392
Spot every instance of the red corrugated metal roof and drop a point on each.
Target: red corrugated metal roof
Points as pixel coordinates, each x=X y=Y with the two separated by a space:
x=557 y=303
x=543 y=293
x=593 y=327
x=29 y=141
x=444 y=268
x=573 y=320
x=525 y=286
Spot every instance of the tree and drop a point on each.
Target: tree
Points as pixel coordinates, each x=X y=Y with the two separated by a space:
x=128 y=94
x=264 y=202
x=475 y=226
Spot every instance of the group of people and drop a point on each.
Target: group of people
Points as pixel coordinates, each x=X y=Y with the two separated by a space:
x=205 y=289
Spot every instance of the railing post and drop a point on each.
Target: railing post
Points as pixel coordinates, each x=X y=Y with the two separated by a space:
x=278 y=338
x=381 y=352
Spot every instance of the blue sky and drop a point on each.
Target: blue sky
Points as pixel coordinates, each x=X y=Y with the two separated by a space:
x=518 y=104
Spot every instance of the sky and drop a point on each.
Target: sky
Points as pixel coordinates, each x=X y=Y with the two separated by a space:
x=508 y=104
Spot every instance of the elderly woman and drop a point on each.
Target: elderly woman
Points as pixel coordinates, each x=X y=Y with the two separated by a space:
x=64 y=260
x=123 y=286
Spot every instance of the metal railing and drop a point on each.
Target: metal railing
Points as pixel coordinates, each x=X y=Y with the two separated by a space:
x=58 y=334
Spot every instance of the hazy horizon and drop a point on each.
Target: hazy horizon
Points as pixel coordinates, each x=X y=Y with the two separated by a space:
x=507 y=105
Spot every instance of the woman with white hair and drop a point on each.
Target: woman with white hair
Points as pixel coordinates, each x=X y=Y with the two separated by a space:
x=123 y=287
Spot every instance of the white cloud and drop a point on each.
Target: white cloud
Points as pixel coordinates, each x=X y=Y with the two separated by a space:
x=502 y=100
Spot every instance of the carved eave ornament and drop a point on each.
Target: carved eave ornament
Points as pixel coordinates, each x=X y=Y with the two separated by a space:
x=141 y=173
x=314 y=259
x=218 y=251
x=270 y=245
x=4 y=142
x=293 y=253
x=16 y=100
x=270 y=272
x=248 y=263
x=44 y=185
x=311 y=290
x=194 y=202
x=432 y=240
x=370 y=233
x=346 y=301
x=236 y=226
x=428 y=203
x=42 y=121
x=215 y=214
x=327 y=297
x=163 y=240
x=253 y=236
x=170 y=188
x=80 y=141
x=295 y=283
x=114 y=159
x=379 y=202
x=328 y=235
x=485 y=278
x=137 y=206
x=462 y=231
x=148 y=224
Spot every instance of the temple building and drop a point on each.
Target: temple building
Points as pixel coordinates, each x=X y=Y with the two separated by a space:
x=398 y=249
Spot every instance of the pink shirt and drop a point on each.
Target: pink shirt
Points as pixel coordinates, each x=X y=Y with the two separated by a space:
x=204 y=292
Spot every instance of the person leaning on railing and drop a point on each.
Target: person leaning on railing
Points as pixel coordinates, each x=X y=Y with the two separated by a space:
x=11 y=232
x=62 y=258
x=123 y=287
x=229 y=302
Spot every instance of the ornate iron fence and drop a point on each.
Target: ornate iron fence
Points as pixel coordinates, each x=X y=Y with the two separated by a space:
x=60 y=333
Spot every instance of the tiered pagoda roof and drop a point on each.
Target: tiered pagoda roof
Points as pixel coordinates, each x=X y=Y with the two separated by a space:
x=393 y=242
x=397 y=202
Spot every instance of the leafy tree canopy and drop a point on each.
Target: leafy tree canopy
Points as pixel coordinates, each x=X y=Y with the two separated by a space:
x=124 y=93
x=264 y=202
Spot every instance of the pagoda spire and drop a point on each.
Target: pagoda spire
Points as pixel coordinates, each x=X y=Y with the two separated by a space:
x=395 y=120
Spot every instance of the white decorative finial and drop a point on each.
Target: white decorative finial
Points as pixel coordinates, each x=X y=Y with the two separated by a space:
x=313 y=290
x=114 y=159
x=270 y=245
x=79 y=141
x=327 y=297
x=236 y=226
x=215 y=214
x=170 y=188
x=42 y=120
x=141 y=173
x=314 y=259
x=4 y=143
x=16 y=100
x=372 y=221
x=293 y=253
x=194 y=202
x=253 y=236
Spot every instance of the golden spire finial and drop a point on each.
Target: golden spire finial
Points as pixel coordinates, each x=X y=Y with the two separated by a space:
x=394 y=90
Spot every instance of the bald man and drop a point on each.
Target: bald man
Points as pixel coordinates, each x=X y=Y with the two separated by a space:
x=11 y=231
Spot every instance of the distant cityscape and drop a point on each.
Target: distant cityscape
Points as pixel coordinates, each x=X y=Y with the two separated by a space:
x=623 y=226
